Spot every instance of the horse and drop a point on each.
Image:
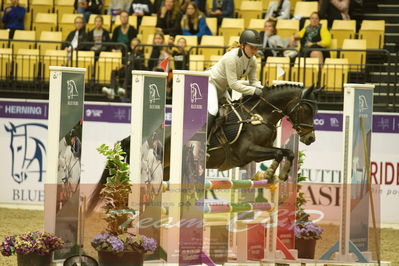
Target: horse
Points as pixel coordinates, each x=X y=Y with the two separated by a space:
x=257 y=129
x=27 y=151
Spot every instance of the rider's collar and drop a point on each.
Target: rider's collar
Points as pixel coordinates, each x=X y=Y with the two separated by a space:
x=241 y=52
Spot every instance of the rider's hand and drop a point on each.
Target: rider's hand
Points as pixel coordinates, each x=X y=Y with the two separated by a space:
x=258 y=91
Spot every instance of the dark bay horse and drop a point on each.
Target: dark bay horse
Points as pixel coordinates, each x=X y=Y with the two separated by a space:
x=260 y=117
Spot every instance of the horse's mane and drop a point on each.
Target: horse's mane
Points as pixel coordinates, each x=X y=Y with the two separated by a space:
x=274 y=91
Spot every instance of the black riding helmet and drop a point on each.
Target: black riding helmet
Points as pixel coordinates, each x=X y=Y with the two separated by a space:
x=250 y=37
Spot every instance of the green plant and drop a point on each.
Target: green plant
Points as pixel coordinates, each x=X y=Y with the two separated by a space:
x=119 y=216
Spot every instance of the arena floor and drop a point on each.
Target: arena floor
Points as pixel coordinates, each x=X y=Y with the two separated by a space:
x=20 y=221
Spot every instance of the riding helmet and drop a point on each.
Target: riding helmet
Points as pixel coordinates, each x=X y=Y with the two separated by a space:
x=250 y=37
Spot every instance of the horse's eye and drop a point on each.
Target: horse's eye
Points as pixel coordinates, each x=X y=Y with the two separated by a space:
x=19 y=148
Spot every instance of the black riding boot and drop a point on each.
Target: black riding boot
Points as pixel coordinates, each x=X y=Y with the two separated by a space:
x=211 y=123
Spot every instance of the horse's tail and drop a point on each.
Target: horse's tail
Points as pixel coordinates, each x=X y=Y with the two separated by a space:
x=95 y=195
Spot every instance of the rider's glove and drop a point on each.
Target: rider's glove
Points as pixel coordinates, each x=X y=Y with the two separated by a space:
x=258 y=91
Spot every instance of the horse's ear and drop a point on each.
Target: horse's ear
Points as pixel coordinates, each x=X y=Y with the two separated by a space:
x=306 y=92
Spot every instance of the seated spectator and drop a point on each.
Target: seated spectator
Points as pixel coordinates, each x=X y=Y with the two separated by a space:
x=76 y=36
x=141 y=8
x=222 y=9
x=194 y=23
x=124 y=33
x=158 y=54
x=117 y=6
x=180 y=55
x=271 y=40
x=13 y=17
x=98 y=35
x=334 y=9
x=169 y=17
x=278 y=10
x=201 y=4
x=88 y=7
x=124 y=74
x=313 y=36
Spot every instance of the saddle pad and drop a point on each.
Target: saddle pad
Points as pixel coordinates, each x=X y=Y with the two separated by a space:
x=231 y=131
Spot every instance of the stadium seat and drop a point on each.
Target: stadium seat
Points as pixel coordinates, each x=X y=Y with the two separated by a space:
x=343 y=29
x=26 y=64
x=84 y=59
x=44 y=22
x=212 y=24
x=211 y=41
x=5 y=62
x=196 y=62
x=287 y=27
x=214 y=59
x=66 y=25
x=4 y=34
x=311 y=67
x=333 y=45
x=265 y=4
x=23 y=3
x=190 y=40
x=107 y=62
x=233 y=39
x=323 y=22
x=41 y=6
x=276 y=68
x=373 y=32
x=334 y=74
x=132 y=21
x=257 y=24
x=53 y=58
x=249 y=10
x=147 y=27
x=231 y=27
x=304 y=9
x=23 y=39
x=356 y=59
x=63 y=7
x=28 y=21
x=55 y=36
x=106 y=25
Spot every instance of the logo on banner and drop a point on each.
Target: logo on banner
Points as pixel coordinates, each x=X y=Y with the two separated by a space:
x=27 y=151
x=120 y=114
x=362 y=104
x=154 y=97
x=383 y=123
x=334 y=122
x=195 y=93
x=318 y=122
x=72 y=92
x=94 y=112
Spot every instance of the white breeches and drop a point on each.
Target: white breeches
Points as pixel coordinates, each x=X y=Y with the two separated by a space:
x=213 y=99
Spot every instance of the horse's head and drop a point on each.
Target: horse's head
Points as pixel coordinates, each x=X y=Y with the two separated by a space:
x=301 y=114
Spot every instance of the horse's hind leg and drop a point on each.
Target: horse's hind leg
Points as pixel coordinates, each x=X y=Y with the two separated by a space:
x=286 y=168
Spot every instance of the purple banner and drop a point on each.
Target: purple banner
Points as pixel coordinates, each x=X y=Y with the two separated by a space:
x=31 y=110
x=386 y=123
x=107 y=113
x=328 y=122
x=196 y=105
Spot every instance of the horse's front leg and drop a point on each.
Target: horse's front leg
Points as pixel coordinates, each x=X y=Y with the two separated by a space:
x=286 y=167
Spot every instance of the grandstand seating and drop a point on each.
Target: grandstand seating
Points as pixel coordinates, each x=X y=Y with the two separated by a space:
x=231 y=27
x=44 y=22
x=55 y=36
x=41 y=6
x=333 y=45
x=191 y=40
x=211 y=41
x=106 y=25
x=257 y=24
x=334 y=74
x=214 y=59
x=287 y=27
x=66 y=25
x=249 y=10
x=373 y=32
x=304 y=9
x=196 y=62
x=84 y=59
x=212 y=24
x=233 y=39
x=23 y=39
x=311 y=67
x=107 y=62
x=276 y=68
x=147 y=27
x=5 y=62
x=53 y=58
x=4 y=35
x=63 y=7
x=356 y=59
x=343 y=29
x=132 y=21
x=26 y=64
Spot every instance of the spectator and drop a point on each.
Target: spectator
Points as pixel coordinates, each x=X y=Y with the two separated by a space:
x=135 y=62
x=180 y=55
x=169 y=17
x=157 y=6
x=117 y=6
x=124 y=33
x=98 y=35
x=76 y=36
x=222 y=9
x=314 y=36
x=278 y=10
x=158 y=54
x=141 y=8
x=271 y=40
x=201 y=4
x=193 y=22
x=88 y=7
x=13 y=18
x=334 y=9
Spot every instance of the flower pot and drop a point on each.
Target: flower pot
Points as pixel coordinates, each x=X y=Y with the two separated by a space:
x=33 y=259
x=125 y=258
x=306 y=247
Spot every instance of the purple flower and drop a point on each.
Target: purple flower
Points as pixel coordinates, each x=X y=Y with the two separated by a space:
x=308 y=230
x=116 y=243
x=98 y=239
x=149 y=244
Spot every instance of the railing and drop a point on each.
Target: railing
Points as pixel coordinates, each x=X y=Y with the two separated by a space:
x=22 y=74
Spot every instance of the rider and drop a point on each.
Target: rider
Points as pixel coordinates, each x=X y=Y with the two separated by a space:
x=227 y=73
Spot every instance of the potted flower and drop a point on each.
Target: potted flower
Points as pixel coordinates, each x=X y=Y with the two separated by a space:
x=32 y=248
x=116 y=245
x=306 y=232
